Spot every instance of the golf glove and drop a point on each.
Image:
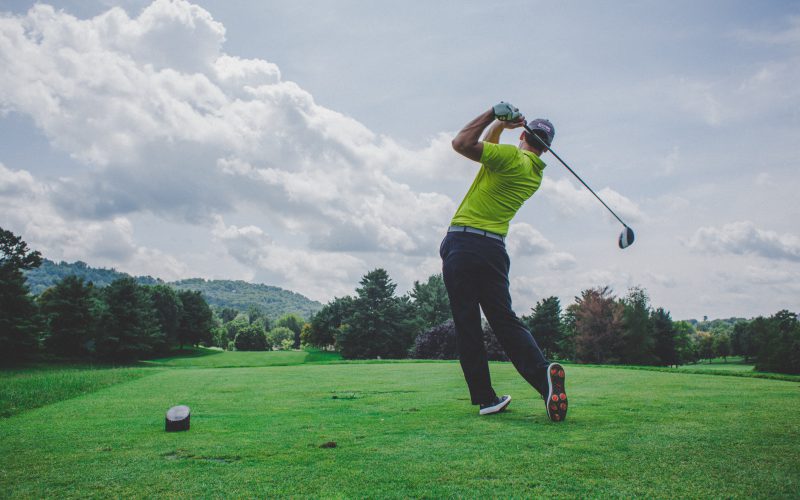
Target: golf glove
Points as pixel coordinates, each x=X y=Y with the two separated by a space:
x=506 y=112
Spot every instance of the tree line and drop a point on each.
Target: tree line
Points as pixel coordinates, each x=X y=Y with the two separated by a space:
x=122 y=321
x=597 y=328
x=73 y=319
x=126 y=320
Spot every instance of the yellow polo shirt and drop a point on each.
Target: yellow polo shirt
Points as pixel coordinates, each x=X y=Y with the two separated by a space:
x=507 y=178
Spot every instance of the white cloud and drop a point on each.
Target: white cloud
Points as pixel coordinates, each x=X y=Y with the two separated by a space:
x=525 y=241
x=176 y=127
x=27 y=211
x=318 y=274
x=744 y=238
x=572 y=198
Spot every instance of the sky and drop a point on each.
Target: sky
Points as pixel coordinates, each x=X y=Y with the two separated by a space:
x=302 y=144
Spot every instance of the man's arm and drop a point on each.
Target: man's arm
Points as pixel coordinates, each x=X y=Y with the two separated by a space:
x=493 y=132
x=466 y=142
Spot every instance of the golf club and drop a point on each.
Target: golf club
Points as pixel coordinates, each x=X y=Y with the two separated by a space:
x=626 y=237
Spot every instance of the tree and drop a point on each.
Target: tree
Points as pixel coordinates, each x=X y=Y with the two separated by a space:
x=665 y=338
x=637 y=333
x=381 y=324
x=68 y=313
x=684 y=347
x=128 y=328
x=281 y=338
x=705 y=345
x=566 y=346
x=325 y=324
x=305 y=334
x=545 y=325
x=294 y=323
x=228 y=314
x=779 y=344
x=196 y=321
x=743 y=341
x=255 y=313
x=19 y=327
x=430 y=301
x=722 y=346
x=169 y=311
x=598 y=322
x=233 y=327
x=252 y=338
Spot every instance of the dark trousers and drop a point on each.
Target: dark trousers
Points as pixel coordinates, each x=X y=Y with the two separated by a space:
x=475 y=270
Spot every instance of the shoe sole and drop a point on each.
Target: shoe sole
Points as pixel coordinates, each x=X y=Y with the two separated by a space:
x=556 y=402
x=496 y=409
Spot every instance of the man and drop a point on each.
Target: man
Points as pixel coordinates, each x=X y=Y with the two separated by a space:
x=475 y=263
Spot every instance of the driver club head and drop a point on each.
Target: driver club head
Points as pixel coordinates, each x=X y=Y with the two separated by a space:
x=626 y=237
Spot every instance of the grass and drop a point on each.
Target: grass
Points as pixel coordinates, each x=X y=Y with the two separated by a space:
x=34 y=387
x=406 y=429
x=212 y=358
x=732 y=363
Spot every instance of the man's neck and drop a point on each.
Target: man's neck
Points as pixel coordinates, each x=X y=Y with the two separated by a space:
x=527 y=147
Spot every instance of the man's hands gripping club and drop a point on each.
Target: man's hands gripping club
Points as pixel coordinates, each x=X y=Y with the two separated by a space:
x=467 y=142
x=506 y=112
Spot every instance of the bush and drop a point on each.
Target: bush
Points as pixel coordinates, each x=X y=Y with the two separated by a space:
x=438 y=342
x=494 y=350
x=281 y=337
x=251 y=338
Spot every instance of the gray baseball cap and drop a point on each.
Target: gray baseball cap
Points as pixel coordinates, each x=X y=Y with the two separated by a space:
x=545 y=126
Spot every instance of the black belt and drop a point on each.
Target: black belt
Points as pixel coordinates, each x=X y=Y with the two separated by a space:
x=475 y=230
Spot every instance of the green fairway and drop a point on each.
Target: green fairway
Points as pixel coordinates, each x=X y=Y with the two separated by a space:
x=406 y=429
x=210 y=358
x=731 y=364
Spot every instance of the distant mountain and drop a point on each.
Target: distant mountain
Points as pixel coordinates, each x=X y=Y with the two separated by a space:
x=50 y=273
x=239 y=295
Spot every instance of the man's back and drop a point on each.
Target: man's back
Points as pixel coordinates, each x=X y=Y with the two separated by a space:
x=508 y=176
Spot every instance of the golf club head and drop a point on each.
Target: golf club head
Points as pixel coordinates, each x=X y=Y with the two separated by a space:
x=626 y=237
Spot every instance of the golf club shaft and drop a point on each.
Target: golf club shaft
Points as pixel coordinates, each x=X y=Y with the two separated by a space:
x=573 y=173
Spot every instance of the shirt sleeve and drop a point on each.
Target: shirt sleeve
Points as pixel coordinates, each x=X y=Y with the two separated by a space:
x=498 y=157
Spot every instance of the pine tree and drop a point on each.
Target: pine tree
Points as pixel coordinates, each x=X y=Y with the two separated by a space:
x=665 y=336
x=68 y=313
x=128 y=328
x=779 y=344
x=637 y=334
x=197 y=320
x=546 y=327
x=19 y=326
x=381 y=325
x=431 y=303
x=169 y=310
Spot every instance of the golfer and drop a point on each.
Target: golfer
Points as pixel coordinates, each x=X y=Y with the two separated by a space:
x=475 y=263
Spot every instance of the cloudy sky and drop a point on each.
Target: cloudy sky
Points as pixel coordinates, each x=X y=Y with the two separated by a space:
x=302 y=144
